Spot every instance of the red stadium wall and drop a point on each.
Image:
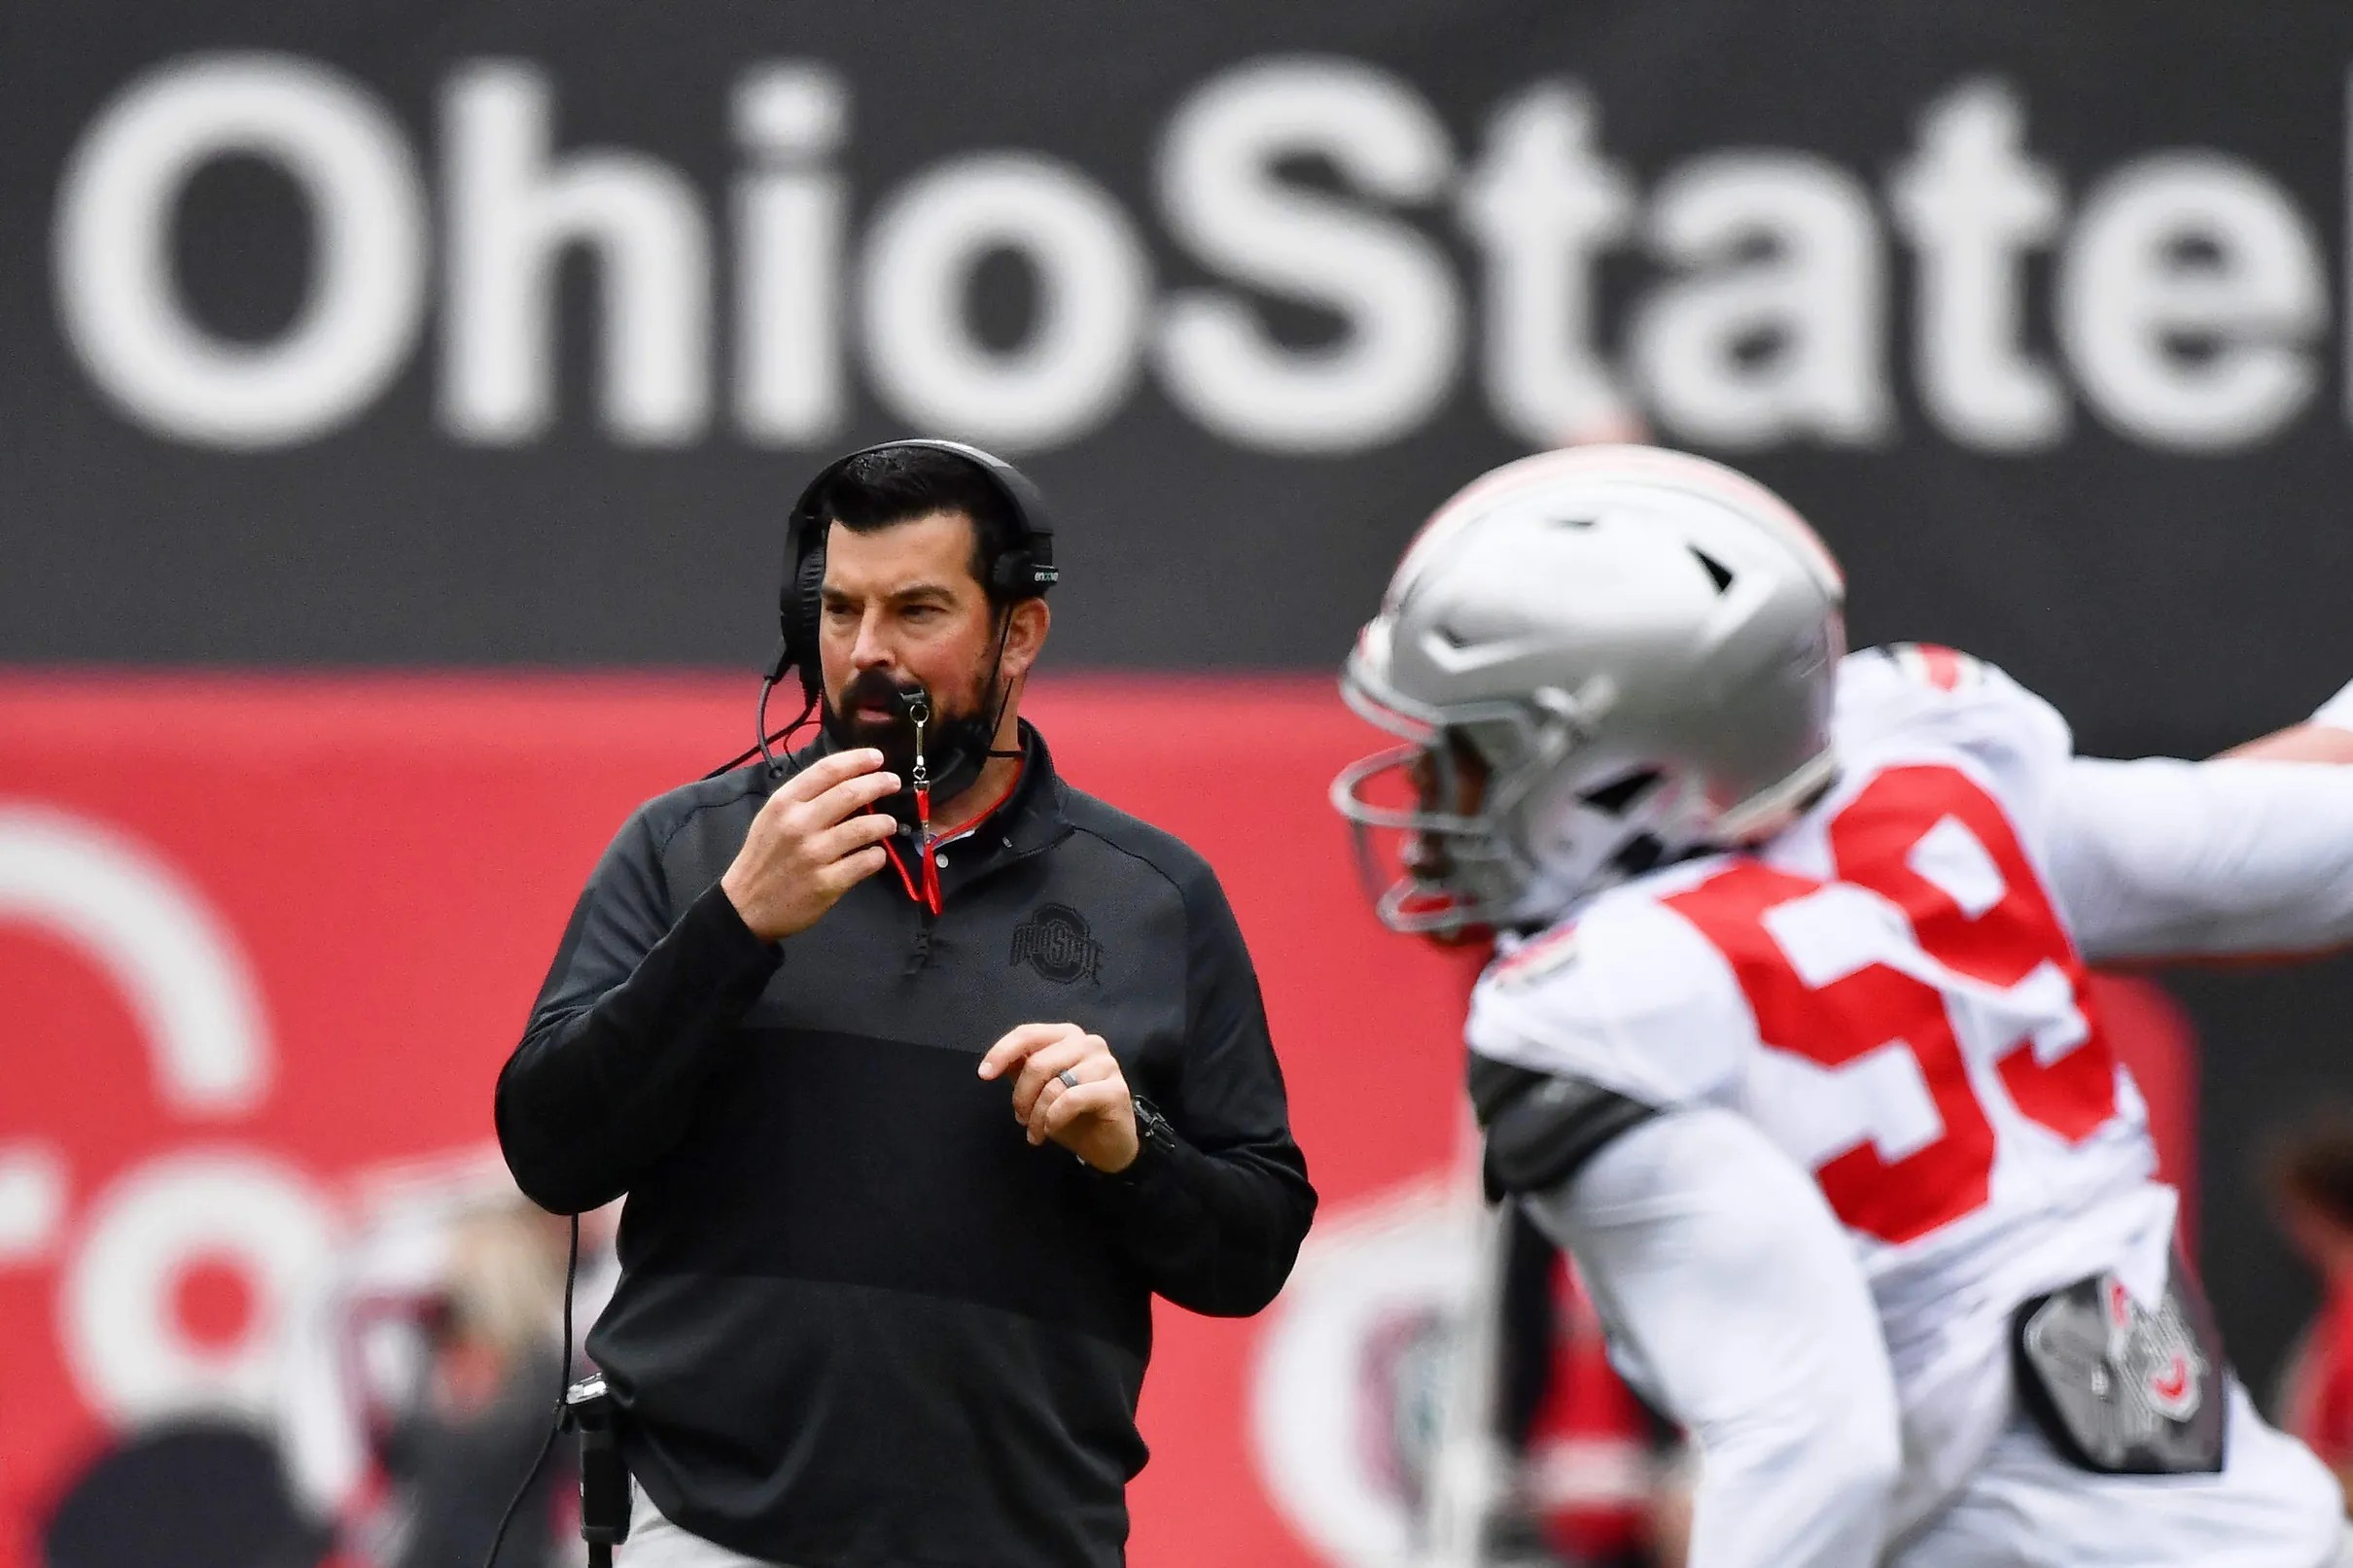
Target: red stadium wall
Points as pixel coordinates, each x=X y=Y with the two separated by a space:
x=262 y=939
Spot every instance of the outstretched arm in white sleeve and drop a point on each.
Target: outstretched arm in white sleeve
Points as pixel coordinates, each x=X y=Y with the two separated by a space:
x=2249 y=855
x=2326 y=737
x=1734 y=1301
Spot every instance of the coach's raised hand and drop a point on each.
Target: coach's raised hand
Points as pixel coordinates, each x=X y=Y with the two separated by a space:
x=811 y=843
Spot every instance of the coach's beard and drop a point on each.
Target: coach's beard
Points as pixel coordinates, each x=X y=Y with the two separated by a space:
x=875 y=710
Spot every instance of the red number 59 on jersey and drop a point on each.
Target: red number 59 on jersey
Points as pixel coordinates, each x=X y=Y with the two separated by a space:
x=1998 y=1008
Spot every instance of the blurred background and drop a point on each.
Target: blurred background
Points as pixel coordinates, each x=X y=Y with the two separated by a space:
x=402 y=401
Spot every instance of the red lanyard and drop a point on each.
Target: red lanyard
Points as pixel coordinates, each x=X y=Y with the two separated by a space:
x=923 y=833
x=927 y=893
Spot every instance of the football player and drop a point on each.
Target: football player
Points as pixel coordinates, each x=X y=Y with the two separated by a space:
x=1788 y=1039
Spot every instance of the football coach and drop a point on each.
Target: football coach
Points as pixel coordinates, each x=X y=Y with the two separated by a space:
x=923 y=1073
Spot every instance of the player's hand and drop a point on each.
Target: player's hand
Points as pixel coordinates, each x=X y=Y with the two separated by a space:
x=2326 y=737
x=1094 y=1116
x=811 y=843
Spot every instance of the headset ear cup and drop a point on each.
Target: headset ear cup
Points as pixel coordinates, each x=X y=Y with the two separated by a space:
x=1009 y=577
x=802 y=625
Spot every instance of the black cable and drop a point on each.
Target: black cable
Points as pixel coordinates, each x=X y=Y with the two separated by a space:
x=1004 y=698
x=767 y=738
x=563 y=1384
x=760 y=723
x=760 y=726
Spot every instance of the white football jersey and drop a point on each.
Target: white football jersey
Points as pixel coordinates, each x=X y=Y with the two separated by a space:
x=1894 y=992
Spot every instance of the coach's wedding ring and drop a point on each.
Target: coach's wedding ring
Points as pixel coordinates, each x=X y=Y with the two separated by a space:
x=1066 y=1078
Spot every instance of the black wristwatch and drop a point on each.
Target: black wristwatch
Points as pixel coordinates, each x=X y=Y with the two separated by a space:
x=1155 y=1140
x=1152 y=1130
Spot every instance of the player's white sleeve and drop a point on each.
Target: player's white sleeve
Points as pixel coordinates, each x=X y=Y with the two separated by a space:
x=1734 y=1301
x=2158 y=858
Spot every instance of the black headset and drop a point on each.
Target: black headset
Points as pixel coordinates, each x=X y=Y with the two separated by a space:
x=1024 y=570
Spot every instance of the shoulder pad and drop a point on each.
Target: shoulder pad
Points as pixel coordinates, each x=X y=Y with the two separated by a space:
x=1913 y=698
x=1633 y=998
x=1542 y=1128
x=1554 y=951
x=1932 y=665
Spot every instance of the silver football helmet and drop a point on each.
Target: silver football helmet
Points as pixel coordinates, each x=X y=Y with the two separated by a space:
x=1598 y=659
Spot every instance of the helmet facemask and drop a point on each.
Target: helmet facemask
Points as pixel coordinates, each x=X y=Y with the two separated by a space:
x=1487 y=816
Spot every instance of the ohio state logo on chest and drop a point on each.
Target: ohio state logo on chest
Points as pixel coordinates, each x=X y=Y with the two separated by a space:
x=1055 y=941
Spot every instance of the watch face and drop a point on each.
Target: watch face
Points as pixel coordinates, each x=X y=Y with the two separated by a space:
x=1151 y=1126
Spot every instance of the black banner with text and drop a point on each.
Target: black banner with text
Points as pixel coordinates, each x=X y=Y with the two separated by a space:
x=493 y=333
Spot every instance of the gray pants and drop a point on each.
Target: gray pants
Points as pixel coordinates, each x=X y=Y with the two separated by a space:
x=656 y=1542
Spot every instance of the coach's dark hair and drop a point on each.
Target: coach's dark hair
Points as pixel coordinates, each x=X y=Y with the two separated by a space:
x=876 y=490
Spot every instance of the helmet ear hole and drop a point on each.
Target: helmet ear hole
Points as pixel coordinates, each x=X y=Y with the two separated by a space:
x=1717 y=571
x=1620 y=795
x=1642 y=852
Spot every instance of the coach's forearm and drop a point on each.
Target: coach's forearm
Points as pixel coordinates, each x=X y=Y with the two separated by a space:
x=597 y=1091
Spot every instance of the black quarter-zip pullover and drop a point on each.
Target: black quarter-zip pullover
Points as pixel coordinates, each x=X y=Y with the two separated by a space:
x=862 y=1323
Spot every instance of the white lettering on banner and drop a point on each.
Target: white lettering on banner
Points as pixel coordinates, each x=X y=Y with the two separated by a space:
x=1093 y=279
x=129 y=1353
x=791 y=217
x=2133 y=285
x=192 y=995
x=1543 y=205
x=512 y=215
x=1394 y=366
x=1754 y=351
x=156 y=937
x=122 y=308
x=1973 y=204
x=2188 y=288
x=32 y=1199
